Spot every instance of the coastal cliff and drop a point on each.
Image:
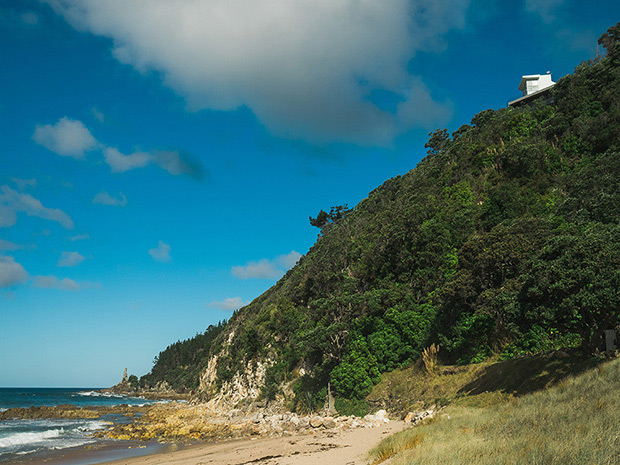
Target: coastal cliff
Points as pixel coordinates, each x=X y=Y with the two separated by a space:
x=503 y=241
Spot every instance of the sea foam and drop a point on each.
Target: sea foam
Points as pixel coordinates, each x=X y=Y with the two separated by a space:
x=17 y=439
x=99 y=394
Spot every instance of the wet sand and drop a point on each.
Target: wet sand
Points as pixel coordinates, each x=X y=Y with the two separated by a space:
x=102 y=452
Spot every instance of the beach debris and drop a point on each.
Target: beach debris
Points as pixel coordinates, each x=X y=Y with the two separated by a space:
x=417 y=417
x=378 y=419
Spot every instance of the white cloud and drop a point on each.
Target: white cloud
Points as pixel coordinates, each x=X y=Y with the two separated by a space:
x=266 y=269
x=419 y=109
x=70 y=259
x=80 y=237
x=8 y=217
x=289 y=260
x=97 y=115
x=22 y=184
x=580 y=41
x=11 y=272
x=67 y=137
x=306 y=68
x=544 y=8
x=7 y=245
x=176 y=164
x=263 y=269
x=229 y=304
x=71 y=138
x=161 y=253
x=30 y=18
x=171 y=161
x=12 y=201
x=103 y=198
x=120 y=163
x=52 y=282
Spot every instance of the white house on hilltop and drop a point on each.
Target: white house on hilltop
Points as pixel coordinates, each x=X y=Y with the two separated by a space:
x=533 y=86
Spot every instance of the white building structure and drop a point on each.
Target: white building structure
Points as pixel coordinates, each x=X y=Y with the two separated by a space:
x=533 y=86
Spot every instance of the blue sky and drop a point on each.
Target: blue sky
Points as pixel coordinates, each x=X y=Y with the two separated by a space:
x=160 y=159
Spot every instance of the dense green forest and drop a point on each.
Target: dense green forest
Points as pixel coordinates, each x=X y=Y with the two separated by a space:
x=504 y=240
x=181 y=363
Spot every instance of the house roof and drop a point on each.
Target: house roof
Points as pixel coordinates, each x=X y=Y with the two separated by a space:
x=544 y=83
x=531 y=96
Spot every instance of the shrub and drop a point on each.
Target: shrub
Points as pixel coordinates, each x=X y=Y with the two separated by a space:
x=357 y=407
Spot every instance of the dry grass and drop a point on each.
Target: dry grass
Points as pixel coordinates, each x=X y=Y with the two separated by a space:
x=395 y=444
x=477 y=385
x=573 y=422
x=429 y=358
x=408 y=389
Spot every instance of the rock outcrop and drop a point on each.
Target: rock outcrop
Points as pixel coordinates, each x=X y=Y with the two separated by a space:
x=68 y=411
x=244 y=388
x=161 y=391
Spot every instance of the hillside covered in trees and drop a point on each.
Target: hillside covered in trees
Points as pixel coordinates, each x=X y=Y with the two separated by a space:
x=504 y=240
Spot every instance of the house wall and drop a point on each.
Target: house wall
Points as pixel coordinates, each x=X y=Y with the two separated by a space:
x=538 y=83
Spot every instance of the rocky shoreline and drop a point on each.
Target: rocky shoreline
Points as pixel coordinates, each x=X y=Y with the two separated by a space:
x=68 y=411
x=160 y=392
x=179 y=422
x=183 y=420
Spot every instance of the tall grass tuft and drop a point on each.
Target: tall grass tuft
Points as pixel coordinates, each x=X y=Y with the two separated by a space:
x=395 y=444
x=429 y=357
x=572 y=423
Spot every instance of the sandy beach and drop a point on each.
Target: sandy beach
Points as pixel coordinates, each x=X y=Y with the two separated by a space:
x=327 y=447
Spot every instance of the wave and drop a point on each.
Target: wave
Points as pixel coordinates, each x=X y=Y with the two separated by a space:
x=18 y=439
x=72 y=443
x=131 y=399
x=100 y=394
x=92 y=426
x=46 y=434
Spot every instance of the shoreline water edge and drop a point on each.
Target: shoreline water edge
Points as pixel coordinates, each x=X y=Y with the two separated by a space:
x=84 y=433
x=38 y=423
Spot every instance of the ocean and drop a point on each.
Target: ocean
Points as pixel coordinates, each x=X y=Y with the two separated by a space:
x=20 y=439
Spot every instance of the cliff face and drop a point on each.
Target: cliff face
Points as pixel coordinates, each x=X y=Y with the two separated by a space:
x=243 y=389
x=505 y=240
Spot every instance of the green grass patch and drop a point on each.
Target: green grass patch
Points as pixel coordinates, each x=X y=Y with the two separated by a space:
x=572 y=422
x=476 y=385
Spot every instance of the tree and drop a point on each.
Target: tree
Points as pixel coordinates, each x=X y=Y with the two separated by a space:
x=335 y=214
x=437 y=142
x=573 y=285
x=321 y=219
x=358 y=372
x=133 y=381
x=610 y=40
